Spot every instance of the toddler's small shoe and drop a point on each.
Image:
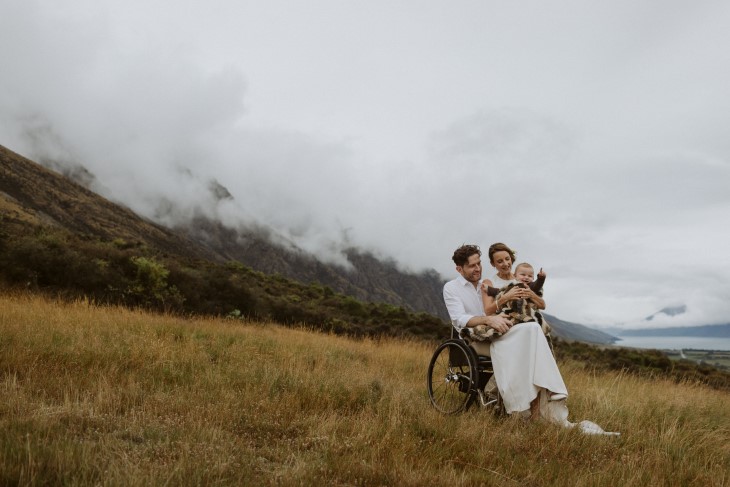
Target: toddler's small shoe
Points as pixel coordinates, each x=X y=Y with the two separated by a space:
x=557 y=397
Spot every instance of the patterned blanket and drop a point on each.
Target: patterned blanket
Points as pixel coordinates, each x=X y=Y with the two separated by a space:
x=517 y=311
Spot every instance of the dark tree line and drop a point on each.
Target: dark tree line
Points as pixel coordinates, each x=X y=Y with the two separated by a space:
x=130 y=274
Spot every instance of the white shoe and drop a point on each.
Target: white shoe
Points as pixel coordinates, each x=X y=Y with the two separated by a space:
x=557 y=397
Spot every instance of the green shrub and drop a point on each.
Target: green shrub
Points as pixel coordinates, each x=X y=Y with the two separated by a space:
x=150 y=285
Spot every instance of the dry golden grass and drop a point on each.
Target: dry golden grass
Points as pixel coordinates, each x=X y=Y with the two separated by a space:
x=108 y=396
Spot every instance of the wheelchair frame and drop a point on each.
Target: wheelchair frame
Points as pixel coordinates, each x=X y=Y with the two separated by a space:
x=457 y=377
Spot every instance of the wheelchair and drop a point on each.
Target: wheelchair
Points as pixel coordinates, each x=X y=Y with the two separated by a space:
x=457 y=378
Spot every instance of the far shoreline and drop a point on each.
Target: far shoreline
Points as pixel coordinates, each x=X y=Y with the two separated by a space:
x=699 y=343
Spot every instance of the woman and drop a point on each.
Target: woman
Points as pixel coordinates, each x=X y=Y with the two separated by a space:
x=524 y=367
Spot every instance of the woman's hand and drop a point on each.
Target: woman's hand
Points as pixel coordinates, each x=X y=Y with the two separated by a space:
x=517 y=292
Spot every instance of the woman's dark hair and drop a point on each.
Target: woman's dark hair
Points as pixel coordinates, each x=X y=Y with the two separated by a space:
x=497 y=247
x=462 y=254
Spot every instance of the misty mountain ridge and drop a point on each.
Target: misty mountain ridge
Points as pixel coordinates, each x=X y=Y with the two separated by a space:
x=36 y=195
x=368 y=278
x=31 y=193
x=350 y=270
x=668 y=311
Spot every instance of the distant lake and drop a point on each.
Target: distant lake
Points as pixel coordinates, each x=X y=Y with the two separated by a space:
x=675 y=343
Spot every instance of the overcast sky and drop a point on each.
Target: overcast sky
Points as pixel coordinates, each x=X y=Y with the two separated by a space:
x=593 y=137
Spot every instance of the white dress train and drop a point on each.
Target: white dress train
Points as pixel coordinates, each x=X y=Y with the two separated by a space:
x=525 y=368
x=557 y=412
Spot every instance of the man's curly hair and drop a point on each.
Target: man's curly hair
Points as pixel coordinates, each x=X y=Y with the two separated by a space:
x=462 y=254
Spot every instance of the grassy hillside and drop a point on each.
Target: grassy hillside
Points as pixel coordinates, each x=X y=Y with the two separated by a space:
x=106 y=395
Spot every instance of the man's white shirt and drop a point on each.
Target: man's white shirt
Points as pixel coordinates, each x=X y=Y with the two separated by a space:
x=463 y=301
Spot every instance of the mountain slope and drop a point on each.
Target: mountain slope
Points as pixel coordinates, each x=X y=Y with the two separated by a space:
x=32 y=194
x=574 y=331
x=368 y=279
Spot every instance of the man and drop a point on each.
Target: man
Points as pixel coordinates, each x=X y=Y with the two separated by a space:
x=463 y=295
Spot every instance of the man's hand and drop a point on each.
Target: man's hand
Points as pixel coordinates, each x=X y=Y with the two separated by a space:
x=498 y=323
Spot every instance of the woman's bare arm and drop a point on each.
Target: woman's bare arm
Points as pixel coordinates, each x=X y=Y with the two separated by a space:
x=490 y=306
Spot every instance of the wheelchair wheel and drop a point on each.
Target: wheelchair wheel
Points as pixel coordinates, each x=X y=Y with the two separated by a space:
x=452 y=377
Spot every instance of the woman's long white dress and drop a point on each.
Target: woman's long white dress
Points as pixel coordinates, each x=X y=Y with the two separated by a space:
x=523 y=363
x=525 y=368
